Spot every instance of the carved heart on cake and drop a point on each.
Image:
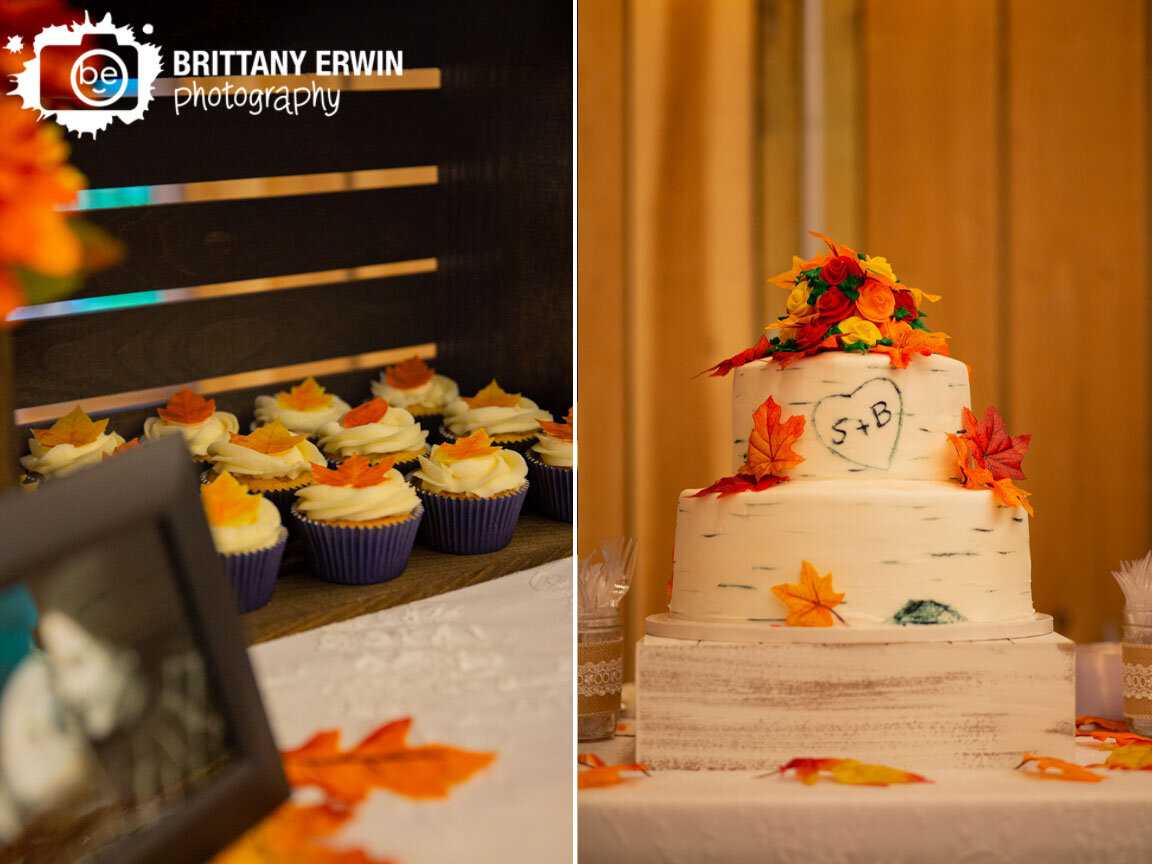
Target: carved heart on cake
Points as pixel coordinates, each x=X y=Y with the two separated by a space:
x=863 y=426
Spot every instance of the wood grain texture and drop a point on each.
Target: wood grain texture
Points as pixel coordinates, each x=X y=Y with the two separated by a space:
x=919 y=706
x=303 y=602
x=1077 y=184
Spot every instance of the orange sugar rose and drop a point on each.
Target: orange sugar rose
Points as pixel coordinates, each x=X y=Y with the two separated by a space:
x=876 y=302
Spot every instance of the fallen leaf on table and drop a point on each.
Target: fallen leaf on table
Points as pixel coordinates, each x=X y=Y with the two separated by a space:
x=73 y=428
x=810 y=603
x=187 y=408
x=1121 y=738
x=601 y=774
x=1131 y=757
x=383 y=760
x=1102 y=722
x=293 y=834
x=850 y=772
x=1060 y=769
x=770 y=444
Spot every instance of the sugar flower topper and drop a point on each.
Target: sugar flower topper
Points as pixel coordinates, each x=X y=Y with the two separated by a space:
x=73 y=428
x=468 y=447
x=492 y=396
x=563 y=431
x=271 y=438
x=372 y=411
x=227 y=502
x=770 y=453
x=989 y=458
x=308 y=395
x=810 y=604
x=187 y=408
x=845 y=301
x=409 y=375
x=354 y=471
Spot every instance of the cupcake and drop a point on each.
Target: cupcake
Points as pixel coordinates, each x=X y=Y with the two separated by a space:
x=248 y=535
x=376 y=431
x=196 y=418
x=550 y=468
x=270 y=460
x=68 y=445
x=414 y=386
x=302 y=410
x=472 y=493
x=359 y=521
x=509 y=418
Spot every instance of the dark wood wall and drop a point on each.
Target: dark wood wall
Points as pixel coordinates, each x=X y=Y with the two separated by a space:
x=498 y=221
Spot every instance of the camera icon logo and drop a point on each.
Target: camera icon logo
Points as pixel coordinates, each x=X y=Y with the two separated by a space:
x=109 y=75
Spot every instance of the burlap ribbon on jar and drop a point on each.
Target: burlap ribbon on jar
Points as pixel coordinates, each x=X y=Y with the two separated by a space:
x=599 y=675
x=1137 y=679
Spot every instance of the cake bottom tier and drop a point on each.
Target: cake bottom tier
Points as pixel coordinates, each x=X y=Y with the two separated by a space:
x=902 y=552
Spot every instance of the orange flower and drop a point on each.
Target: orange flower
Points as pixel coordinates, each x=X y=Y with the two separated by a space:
x=876 y=301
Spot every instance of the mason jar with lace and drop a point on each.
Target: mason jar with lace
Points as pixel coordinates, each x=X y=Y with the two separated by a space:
x=599 y=673
x=1136 y=653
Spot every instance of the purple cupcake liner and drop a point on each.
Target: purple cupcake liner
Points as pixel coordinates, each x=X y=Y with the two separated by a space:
x=359 y=556
x=253 y=574
x=551 y=488
x=520 y=447
x=470 y=526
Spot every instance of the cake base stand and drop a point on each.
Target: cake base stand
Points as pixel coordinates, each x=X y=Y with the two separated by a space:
x=663 y=624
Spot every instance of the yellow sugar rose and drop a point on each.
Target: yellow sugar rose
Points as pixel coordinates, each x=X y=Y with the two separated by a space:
x=879 y=266
x=798 y=301
x=856 y=329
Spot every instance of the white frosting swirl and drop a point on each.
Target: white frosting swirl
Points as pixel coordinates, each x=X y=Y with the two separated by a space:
x=238 y=459
x=436 y=392
x=63 y=459
x=482 y=476
x=392 y=497
x=261 y=534
x=299 y=422
x=525 y=416
x=397 y=430
x=198 y=436
x=553 y=451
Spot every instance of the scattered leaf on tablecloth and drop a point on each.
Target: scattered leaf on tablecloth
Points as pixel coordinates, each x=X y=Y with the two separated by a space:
x=308 y=395
x=770 y=444
x=372 y=411
x=227 y=502
x=810 y=604
x=599 y=774
x=850 y=772
x=187 y=408
x=1131 y=757
x=409 y=375
x=1058 y=769
x=726 y=486
x=492 y=396
x=468 y=447
x=1120 y=738
x=271 y=439
x=1101 y=722
x=383 y=760
x=294 y=834
x=73 y=428
x=355 y=471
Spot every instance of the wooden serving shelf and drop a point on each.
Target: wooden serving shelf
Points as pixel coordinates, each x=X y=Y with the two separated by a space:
x=302 y=602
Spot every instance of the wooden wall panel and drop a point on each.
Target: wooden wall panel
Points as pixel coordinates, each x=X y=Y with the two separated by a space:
x=1078 y=300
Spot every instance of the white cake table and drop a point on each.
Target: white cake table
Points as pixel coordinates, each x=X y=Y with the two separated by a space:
x=485 y=668
x=976 y=816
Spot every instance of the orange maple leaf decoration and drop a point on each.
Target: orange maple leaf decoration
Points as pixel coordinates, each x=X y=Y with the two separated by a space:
x=770 y=444
x=130 y=444
x=187 y=408
x=848 y=771
x=1061 y=770
x=293 y=833
x=383 y=760
x=227 y=502
x=468 y=447
x=810 y=603
x=492 y=396
x=355 y=471
x=308 y=395
x=372 y=411
x=562 y=431
x=272 y=438
x=973 y=475
x=73 y=428
x=601 y=774
x=410 y=374
x=908 y=341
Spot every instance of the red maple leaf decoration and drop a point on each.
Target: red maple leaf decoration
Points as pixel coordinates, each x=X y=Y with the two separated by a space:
x=761 y=349
x=726 y=486
x=993 y=448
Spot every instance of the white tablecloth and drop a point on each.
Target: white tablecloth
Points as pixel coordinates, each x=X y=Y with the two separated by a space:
x=484 y=668
x=975 y=817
